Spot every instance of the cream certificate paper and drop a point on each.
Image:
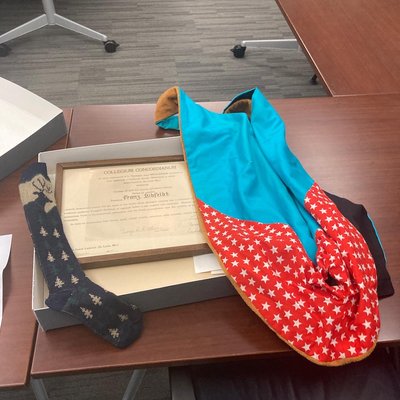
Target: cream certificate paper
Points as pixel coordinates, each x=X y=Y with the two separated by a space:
x=126 y=208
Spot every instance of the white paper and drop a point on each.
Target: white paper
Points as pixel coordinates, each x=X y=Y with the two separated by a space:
x=218 y=272
x=126 y=208
x=5 y=247
x=206 y=263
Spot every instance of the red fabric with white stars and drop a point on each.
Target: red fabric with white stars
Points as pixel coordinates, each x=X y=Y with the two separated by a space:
x=272 y=271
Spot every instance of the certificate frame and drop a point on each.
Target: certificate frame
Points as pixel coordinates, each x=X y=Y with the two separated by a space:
x=175 y=250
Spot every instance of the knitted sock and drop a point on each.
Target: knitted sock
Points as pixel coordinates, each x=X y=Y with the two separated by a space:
x=70 y=291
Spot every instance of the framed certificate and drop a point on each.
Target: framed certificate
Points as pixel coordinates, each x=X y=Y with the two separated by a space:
x=128 y=210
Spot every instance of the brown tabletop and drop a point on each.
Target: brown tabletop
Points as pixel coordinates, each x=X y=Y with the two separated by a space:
x=348 y=144
x=353 y=45
x=18 y=329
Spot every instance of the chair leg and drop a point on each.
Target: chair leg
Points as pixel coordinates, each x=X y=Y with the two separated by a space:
x=181 y=384
x=240 y=49
x=134 y=384
x=39 y=389
x=78 y=28
x=30 y=26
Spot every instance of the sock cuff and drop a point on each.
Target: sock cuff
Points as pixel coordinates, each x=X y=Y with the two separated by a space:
x=32 y=171
x=34 y=184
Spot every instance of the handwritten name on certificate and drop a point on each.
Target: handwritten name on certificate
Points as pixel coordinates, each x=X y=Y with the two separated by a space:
x=128 y=208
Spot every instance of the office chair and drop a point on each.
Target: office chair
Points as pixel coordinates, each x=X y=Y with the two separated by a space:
x=51 y=18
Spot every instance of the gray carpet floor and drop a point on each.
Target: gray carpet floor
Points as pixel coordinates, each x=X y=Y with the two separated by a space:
x=100 y=386
x=162 y=43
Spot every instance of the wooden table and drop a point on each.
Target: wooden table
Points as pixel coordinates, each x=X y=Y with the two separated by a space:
x=18 y=329
x=353 y=45
x=348 y=144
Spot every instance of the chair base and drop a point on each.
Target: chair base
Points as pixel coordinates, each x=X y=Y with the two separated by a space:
x=52 y=18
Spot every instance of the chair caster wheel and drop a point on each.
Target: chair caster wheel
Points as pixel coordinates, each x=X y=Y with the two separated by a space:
x=238 y=50
x=4 y=50
x=110 y=46
x=313 y=79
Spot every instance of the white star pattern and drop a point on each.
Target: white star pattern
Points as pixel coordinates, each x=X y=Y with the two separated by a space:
x=290 y=293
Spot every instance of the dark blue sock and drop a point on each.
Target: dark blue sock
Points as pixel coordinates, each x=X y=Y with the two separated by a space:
x=70 y=291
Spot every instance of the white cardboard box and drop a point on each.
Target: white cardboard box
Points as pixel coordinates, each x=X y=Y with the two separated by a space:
x=28 y=125
x=151 y=285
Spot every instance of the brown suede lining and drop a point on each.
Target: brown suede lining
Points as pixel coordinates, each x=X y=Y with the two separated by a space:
x=167 y=104
x=243 y=105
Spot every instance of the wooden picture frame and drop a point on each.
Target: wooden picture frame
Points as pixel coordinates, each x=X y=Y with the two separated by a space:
x=127 y=211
